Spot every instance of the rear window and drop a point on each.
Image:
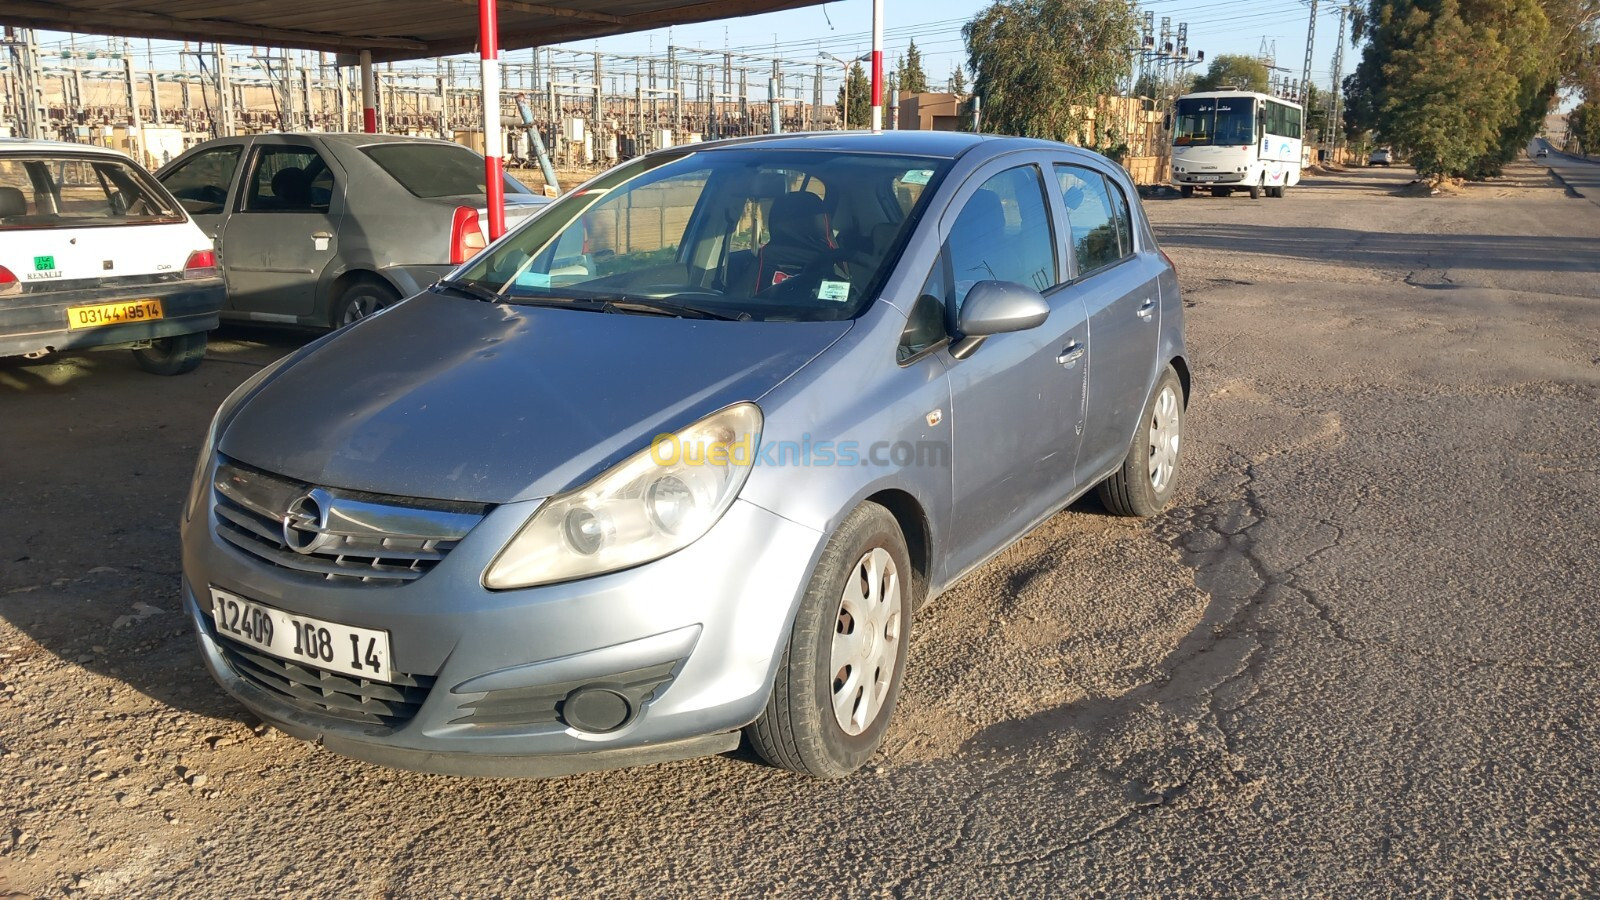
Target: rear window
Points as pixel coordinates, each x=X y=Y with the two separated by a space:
x=435 y=170
x=71 y=191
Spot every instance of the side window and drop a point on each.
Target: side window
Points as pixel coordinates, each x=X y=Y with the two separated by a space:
x=925 y=325
x=289 y=179
x=1003 y=234
x=1096 y=233
x=201 y=183
x=1119 y=211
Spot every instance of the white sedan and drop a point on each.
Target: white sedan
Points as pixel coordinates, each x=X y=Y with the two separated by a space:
x=95 y=253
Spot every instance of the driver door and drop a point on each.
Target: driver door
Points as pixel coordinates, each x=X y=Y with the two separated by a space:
x=203 y=182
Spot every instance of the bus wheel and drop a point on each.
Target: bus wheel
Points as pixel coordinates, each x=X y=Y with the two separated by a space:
x=1222 y=192
x=1187 y=191
x=1255 y=189
x=1281 y=188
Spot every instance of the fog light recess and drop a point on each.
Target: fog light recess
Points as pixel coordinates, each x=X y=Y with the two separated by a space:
x=597 y=710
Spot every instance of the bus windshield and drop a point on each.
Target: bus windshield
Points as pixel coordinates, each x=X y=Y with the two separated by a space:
x=1223 y=121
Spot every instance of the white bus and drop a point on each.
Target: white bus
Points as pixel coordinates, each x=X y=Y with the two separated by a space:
x=1224 y=141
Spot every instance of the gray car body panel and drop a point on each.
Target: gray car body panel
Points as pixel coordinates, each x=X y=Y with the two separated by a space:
x=451 y=398
x=380 y=230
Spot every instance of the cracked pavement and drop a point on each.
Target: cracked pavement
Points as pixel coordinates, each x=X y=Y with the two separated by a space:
x=1356 y=656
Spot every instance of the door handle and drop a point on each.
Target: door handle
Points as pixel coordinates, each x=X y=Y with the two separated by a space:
x=1147 y=309
x=321 y=236
x=1071 y=353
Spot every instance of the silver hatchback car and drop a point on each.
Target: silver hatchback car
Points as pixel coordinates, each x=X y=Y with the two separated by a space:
x=681 y=456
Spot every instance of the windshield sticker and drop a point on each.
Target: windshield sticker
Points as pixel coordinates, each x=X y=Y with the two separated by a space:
x=533 y=280
x=834 y=290
x=917 y=176
x=43 y=263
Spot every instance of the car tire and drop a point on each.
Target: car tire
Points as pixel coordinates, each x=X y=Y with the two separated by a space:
x=1255 y=189
x=360 y=299
x=1146 y=482
x=821 y=719
x=1186 y=191
x=172 y=355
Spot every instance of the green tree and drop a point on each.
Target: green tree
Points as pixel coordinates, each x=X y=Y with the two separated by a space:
x=912 y=77
x=1231 y=72
x=1036 y=63
x=1463 y=85
x=958 y=81
x=1583 y=124
x=860 y=93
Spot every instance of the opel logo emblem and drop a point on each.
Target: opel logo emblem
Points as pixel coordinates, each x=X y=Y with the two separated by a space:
x=303 y=526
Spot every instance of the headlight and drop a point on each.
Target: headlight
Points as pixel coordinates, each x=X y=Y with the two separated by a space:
x=656 y=502
x=224 y=411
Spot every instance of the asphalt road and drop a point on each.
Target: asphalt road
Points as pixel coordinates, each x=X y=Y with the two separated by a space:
x=1356 y=657
x=1582 y=176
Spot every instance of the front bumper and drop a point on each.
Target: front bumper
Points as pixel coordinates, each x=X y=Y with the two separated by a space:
x=36 y=321
x=710 y=619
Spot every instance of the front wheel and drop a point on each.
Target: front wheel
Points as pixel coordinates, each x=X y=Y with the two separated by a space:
x=172 y=355
x=1255 y=189
x=841 y=668
x=1146 y=482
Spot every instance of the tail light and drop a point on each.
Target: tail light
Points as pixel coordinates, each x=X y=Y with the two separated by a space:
x=8 y=280
x=201 y=264
x=466 y=237
x=1170 y=263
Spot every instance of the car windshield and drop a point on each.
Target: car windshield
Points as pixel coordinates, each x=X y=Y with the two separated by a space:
x=435 y=170
x=742 y=233
x=1223 y=121
x=74 y=191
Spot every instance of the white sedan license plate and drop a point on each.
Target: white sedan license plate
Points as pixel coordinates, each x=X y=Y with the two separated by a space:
x=346 y=649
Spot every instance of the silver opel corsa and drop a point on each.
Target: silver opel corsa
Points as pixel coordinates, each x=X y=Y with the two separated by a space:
x=679 y=458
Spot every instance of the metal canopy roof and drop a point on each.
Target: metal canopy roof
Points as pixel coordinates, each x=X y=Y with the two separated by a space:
x=391 y=29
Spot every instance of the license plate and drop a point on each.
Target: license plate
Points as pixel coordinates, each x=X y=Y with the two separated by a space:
x=346 y=649
x=1207 y=177
x=113 y=313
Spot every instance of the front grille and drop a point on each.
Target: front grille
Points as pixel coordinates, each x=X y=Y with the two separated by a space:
x=339 y=536
x=542 y=704
x=318 y=691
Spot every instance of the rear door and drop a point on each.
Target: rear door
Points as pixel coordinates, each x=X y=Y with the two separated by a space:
x=283 y=230
x=1117 y=280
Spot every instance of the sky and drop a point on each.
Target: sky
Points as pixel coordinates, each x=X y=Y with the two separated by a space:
x=844 y=29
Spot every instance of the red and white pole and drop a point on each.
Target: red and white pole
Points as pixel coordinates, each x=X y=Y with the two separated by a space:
x=369 y=95
x=877 y=65
x=493 y=143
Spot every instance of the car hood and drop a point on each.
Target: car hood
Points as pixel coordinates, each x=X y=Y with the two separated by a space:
x=456 y=399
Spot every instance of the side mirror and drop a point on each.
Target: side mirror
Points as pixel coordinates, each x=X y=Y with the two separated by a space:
x=996 y=307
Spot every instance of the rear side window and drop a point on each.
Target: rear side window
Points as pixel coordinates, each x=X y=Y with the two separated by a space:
x=201 y=182
x=1100 y=224
x=435 y=170
x=1003 y=234
x=79 y=191
x=289 y=179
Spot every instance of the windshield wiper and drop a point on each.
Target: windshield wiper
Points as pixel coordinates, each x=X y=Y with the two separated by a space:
x=470 y=289
x=667 y=307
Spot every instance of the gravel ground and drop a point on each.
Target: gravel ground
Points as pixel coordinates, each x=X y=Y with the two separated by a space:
x=1356 y=656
